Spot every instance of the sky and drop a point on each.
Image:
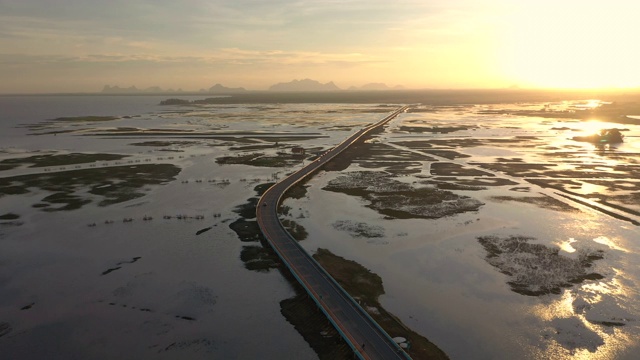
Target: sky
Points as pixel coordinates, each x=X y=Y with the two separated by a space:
x=82 y=45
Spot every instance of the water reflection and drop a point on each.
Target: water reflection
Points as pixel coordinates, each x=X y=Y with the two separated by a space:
x=586 y=323
x=590 y=188
x=606 y=149
x=566 y=245
x=570 y=335
x=608 y=242
x=559 y=308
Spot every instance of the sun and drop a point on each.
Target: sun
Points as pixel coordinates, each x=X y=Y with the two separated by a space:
x=571 y=44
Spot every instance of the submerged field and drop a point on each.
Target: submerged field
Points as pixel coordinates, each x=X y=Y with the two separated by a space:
x=488 y=230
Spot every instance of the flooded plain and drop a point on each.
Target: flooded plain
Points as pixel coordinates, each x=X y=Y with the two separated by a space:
x=532 y=258
x=129 y=233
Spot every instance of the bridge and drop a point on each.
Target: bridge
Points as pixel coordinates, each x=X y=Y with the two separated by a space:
x=365 y=337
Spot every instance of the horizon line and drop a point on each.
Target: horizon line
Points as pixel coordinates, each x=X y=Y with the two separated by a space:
x=268 y=91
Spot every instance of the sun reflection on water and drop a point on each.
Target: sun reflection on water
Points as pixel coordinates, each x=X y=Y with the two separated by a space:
x=590 y=127
x=566 y=245
x=560 y=308
x=610 y=243
x=575 y=328
x=566 y=342
x=589 y=188
x=614 y=344
x=589 y=104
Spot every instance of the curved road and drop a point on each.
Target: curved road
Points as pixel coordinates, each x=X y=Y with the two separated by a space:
x=359 y=330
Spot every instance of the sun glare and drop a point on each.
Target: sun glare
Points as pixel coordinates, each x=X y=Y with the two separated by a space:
x=590 y=127
x=571 y=45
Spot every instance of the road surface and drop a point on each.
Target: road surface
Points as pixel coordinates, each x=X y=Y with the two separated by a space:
x=358 y=329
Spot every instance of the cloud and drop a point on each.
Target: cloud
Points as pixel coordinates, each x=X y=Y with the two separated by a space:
x=233 y=56
x=248 y=39
x=222 y=23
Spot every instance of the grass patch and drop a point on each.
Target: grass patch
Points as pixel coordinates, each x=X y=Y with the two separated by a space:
x=67 y=200
x=359 y=229
x=85 y=118
x=262 y=188
x=113 y=184
x=257 y=258
x=248 y=209
x=164 y=143
x=396 y=199
x=545 y=202
x=536 y=269
x=451 y=169
x=60 y=160
x=298 y=191
x=434 y=129
x=4 y=166
x=296 y=230
x=377 y=155
x=259 y=159
x=303 y=314
x=366 y=287
x=9 y=216
x=238 y=159
x=247 y=230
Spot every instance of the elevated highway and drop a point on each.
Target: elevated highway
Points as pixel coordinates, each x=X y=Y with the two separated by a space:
x=359 y=330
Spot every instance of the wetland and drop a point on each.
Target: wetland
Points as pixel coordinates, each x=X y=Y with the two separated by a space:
x=467 y=229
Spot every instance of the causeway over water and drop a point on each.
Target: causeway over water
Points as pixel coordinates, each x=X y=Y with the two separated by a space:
x=359 y=330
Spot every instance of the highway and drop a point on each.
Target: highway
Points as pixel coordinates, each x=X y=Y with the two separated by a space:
x=359 y=330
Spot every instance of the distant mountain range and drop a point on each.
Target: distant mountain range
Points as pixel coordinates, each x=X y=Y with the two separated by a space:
x=313 y=85
x=215 y=89
x=377 y=86
x=134 y=90
x=304 y=85
x=291 y=86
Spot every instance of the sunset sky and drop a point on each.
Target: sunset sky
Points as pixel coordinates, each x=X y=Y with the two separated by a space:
x=82 y=45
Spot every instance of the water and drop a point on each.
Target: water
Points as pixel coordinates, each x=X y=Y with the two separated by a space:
x=150 y=289
x=436 y=275
x=53 y=263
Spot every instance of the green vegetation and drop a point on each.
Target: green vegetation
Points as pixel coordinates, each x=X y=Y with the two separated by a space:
x=259 y=159
x=239 y=159
x=247 y=231
x=369 y=154
x=303 y=314
x=85 y=118
x=248 y=209
x=359 y=229
x=246 y=228
x=434 y=129
x=164 y=143
x=254 y=147
x=396 y=199
x=451 y=169
x=366 y=287
x=296 y=230
x=262 y=188
x=60 y=159
x=9 y=216
x=113 y=184
x=545 y=202
x=536 y=269
x=68 y=201
x=257 y=258
x=298 y=191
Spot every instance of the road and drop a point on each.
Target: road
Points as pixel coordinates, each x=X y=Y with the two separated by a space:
x=359 y=330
